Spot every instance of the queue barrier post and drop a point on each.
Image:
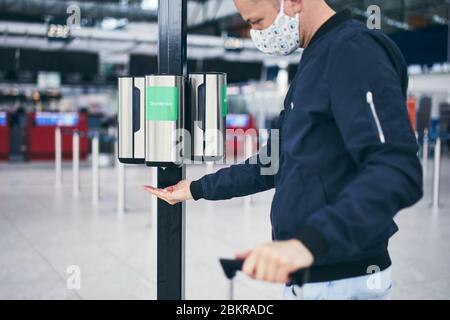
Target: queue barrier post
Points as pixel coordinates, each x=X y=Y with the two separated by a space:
x=437 y=174
x=425 y=151
x=58 y=157
x=76 y=163
x=95 y=169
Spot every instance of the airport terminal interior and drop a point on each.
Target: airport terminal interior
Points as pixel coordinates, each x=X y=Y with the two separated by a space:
x=69 y=207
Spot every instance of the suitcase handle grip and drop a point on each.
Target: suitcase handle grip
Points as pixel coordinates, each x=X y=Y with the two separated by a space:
x=231 y=267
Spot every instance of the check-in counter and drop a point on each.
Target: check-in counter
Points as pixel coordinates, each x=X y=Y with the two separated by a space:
x=41 y=134
x=4 y=136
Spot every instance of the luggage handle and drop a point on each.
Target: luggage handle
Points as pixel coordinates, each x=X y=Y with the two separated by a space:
x=232 y=266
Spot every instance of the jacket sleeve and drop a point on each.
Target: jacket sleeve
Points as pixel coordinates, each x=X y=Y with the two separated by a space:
x=238 y=180
x=381 y=143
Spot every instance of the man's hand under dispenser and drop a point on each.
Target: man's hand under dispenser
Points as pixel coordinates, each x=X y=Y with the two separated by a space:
x=173 y=194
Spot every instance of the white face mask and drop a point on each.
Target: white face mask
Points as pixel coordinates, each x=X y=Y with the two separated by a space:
x=281 y=38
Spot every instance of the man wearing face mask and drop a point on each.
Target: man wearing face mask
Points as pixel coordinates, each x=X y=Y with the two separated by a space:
x=348 y=156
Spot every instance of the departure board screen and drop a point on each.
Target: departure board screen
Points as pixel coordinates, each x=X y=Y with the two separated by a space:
x=2 y=119
x=61 y=119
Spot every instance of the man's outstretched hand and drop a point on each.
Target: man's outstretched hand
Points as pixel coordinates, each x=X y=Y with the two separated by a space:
x=173 y=194
x=275 y=261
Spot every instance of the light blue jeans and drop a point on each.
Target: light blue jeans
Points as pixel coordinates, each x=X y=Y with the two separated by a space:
x=376 y=286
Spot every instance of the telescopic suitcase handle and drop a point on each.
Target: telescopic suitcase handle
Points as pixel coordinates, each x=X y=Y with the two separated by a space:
x=231 y=267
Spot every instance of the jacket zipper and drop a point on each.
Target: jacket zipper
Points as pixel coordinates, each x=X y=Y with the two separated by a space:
x=375 y=117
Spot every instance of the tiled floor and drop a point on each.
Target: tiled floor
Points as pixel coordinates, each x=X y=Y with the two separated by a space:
x=44 y=230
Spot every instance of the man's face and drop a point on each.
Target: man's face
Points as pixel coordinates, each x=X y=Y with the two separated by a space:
x=259 y=14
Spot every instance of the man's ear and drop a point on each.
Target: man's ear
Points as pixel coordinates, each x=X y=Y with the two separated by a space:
x=293 y=7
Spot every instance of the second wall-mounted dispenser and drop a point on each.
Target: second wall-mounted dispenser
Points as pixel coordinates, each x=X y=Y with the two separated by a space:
x=208 y=95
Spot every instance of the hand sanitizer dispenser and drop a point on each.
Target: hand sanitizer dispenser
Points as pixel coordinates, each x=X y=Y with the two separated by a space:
x=164 y=120
x=131 y=125
x=208 y=95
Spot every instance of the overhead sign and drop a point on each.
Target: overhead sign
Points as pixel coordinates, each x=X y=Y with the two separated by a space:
x=48 y=80
x=58 y=30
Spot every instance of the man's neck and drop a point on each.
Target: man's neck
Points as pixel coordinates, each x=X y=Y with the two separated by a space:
x=312 y=18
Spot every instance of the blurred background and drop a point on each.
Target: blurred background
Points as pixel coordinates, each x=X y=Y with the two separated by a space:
x=59 y=64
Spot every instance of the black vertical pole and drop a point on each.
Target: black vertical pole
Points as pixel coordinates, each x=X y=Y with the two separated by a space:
x=448 y=33
x=172 y=16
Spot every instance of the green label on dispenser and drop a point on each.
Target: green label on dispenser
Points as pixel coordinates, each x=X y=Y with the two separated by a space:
x=161 y=104
x=224 y=100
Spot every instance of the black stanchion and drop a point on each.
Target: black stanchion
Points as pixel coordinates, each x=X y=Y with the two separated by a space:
x=172 y=58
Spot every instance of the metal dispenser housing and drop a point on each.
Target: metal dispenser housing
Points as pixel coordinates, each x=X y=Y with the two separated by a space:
x=164 y=120
x=131 y=125
x=208 y=94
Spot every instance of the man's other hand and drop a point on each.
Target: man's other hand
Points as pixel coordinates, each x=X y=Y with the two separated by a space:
x=275 y=261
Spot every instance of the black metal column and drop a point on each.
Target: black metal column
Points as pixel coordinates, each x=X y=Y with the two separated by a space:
x=448 y=33
x=172 y=16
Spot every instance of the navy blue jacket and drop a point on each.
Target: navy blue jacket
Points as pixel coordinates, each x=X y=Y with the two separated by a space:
x=345 y=169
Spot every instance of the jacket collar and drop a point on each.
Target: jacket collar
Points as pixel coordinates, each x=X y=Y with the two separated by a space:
x=330 y=24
